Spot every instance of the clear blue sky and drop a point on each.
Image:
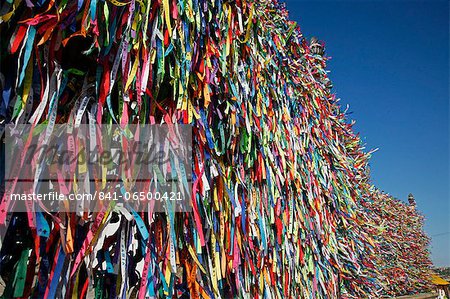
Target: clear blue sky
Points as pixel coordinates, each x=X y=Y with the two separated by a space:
x=390 y=63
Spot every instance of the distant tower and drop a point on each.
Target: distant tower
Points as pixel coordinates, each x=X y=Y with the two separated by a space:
x=412 y=201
